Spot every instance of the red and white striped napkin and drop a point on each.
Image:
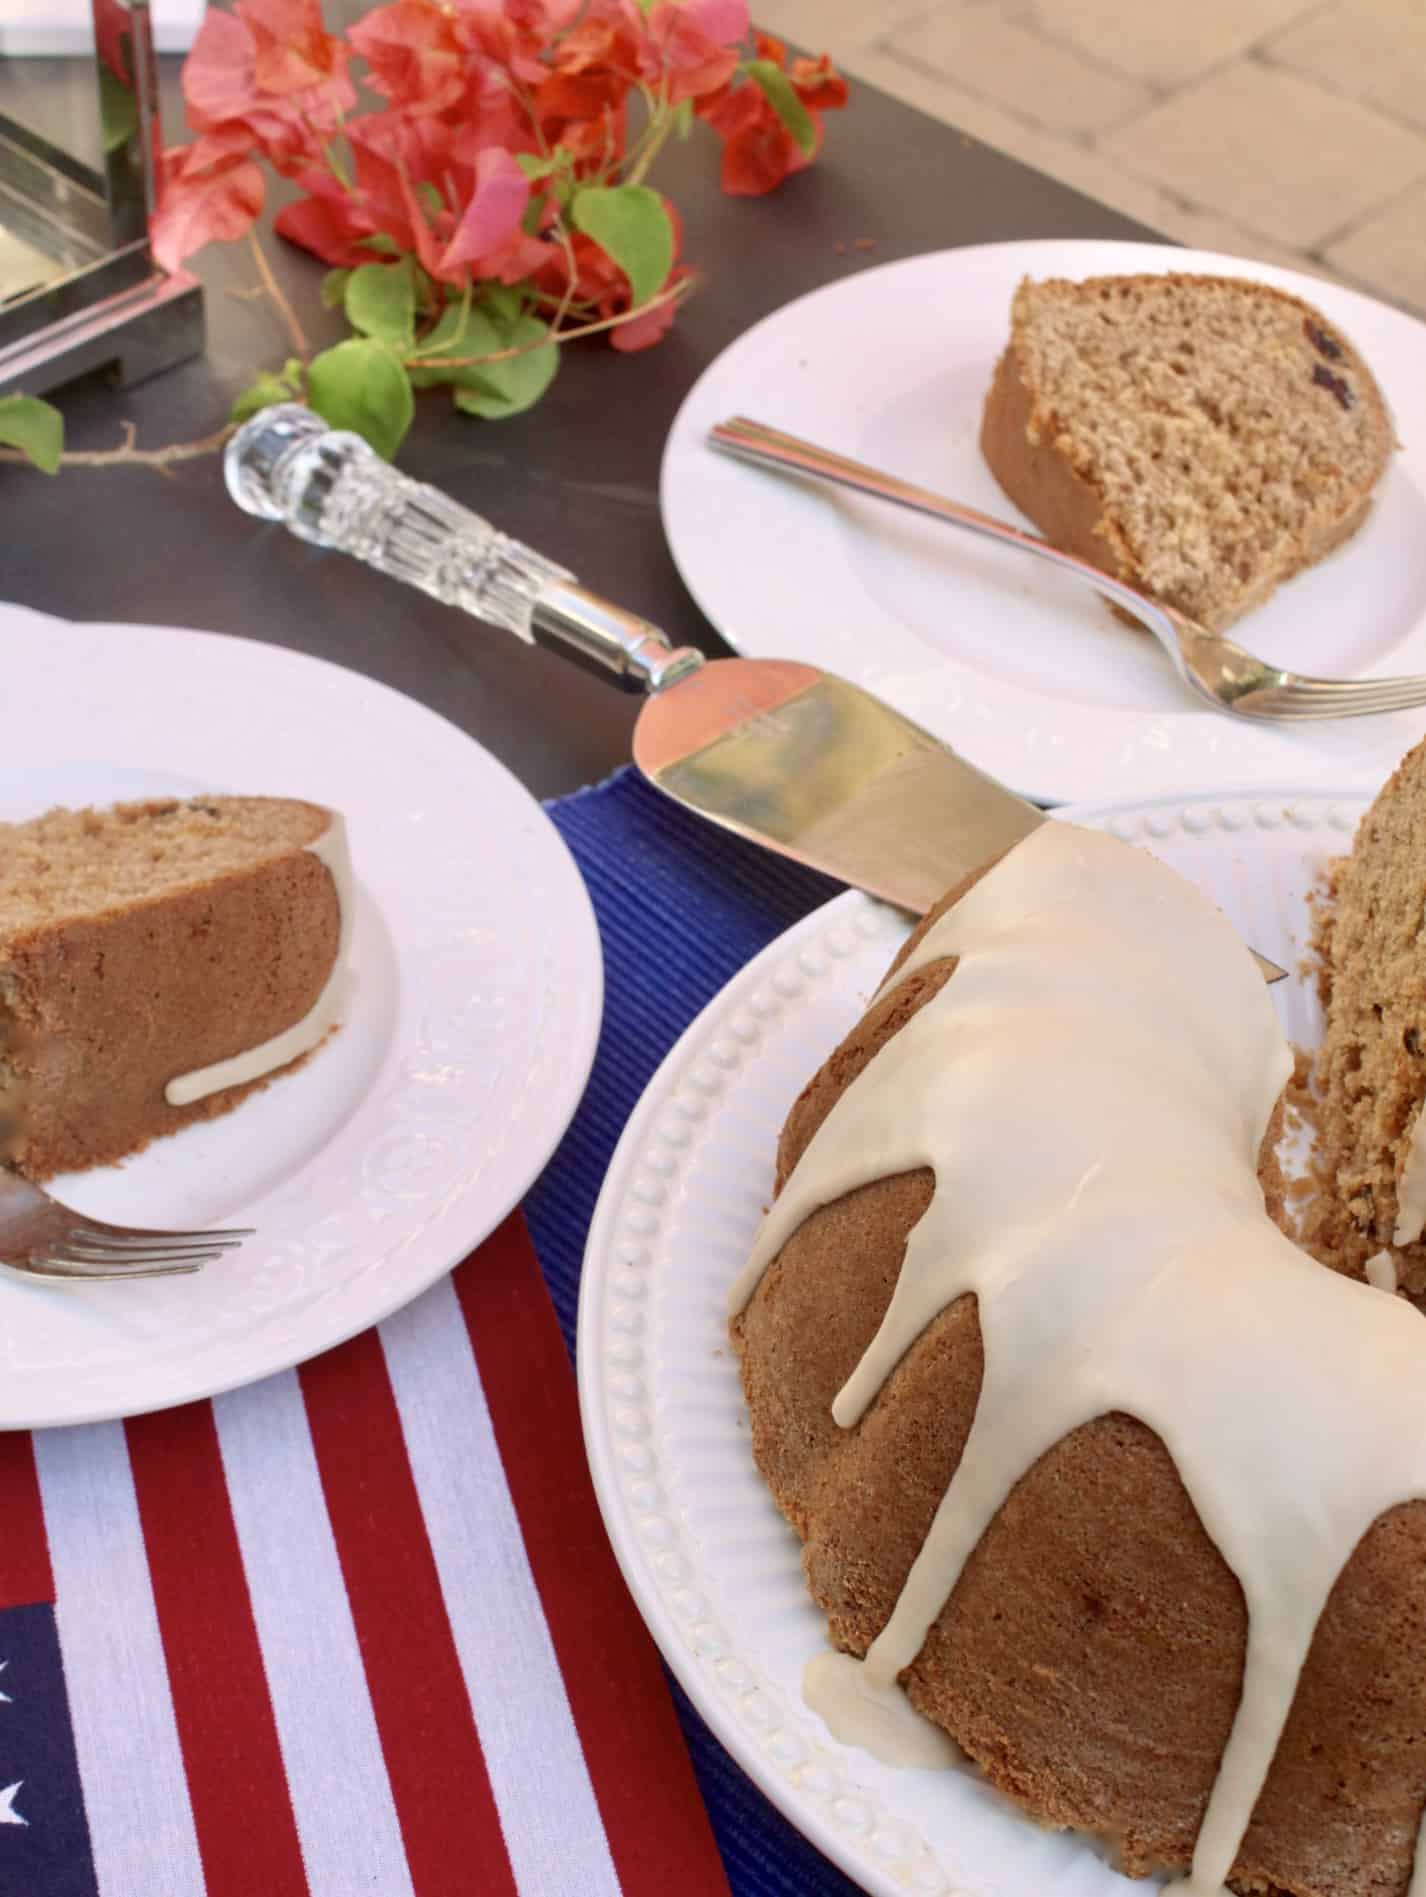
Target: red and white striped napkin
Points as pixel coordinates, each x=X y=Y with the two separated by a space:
x=352 y=1630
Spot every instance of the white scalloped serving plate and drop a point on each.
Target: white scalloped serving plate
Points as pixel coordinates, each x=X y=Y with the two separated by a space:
x=1026 y=673
x=715 y=1570
x=403 y=1142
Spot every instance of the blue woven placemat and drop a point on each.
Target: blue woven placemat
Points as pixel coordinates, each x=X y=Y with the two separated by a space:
x=681 y=907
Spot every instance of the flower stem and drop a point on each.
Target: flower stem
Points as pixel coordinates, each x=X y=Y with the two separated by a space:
x=274 y=289
x=653 y=143
x=674 y=294
x=160 y=459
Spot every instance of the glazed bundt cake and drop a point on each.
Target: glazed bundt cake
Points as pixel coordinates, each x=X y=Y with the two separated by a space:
x=1096 y=1471
x=157 y=962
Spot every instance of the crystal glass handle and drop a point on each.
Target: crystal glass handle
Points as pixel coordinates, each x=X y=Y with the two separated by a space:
x=330 y=487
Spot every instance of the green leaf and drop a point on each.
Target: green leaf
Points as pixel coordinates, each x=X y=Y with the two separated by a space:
x=33 y=427
x=504 y=302
x=491 y=389
x=430 y=198
x=535 y=167
x=381 y=302
x=630 y=224
x=778 y=90
x=334 y=288
x=360 y=385
x=516 y=384
x=460 y=332
x=378 y=240
x=262 y=392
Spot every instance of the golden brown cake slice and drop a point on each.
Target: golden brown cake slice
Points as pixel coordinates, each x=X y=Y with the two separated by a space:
x=1370 y=1072
x=1201 y=438
x=157 y=962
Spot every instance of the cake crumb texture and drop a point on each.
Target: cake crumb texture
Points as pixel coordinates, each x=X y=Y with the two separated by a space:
x=144 y=942
x=1369 y=1077
x=1201 y=438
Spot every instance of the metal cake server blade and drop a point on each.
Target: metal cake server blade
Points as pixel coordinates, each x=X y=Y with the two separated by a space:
x=797 y=759
x=807 y=764
x=812 y=766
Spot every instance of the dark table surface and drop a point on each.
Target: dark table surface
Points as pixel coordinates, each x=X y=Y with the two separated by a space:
x=577 y=477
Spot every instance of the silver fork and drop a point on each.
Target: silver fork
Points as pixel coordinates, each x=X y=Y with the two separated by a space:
x=40 y=1238
x=1216 y=668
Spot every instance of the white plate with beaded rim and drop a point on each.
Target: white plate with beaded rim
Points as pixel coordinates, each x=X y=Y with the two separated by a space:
x=1026 y=673
x=713 y=1567
x=407 y=1138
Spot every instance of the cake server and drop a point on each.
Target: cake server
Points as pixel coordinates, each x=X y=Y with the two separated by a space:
x=785 y=754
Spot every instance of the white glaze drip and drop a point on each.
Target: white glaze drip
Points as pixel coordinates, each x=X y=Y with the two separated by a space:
x=1418 y=1870
x=1380 y=1270
x=861 y=1710
x=1091 y=1089
x=330 y=849
x=1411 y=1191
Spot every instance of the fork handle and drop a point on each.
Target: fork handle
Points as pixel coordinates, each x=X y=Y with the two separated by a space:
x=770 y=448
x=328 y=486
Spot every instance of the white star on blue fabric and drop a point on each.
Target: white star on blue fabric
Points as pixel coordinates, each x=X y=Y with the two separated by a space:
x=5 y=1697
x=8 y=1813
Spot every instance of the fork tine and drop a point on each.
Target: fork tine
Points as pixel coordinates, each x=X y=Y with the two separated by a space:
x=58 y=1259
x=1322 y=698
x=118 y=1244
x=152 y=1255
x=67 y=1269
x=94 y=1231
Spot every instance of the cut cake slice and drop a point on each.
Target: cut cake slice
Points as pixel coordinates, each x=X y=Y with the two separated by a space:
x=157 y=962
x=1201 y=438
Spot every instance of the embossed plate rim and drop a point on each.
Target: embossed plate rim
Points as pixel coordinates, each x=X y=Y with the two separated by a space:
x=504 y=996
x=657 y=1401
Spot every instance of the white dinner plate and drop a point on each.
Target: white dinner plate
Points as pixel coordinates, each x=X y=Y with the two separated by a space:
x=1024 y=671
x=713 y=1567
x=408 y=1137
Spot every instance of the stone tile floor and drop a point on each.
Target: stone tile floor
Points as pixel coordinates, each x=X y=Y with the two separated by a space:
x=1292 y=130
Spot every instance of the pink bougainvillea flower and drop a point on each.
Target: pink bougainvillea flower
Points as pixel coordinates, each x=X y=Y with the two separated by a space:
x=758 y=150
x=612 y=44
x=460 y=213
x=691 y=61
x=220 y=72
x=817 y=83
x=515 y=34
x=585 y=113
x=413 y=56
x=490 y=217
x=642 y=332
x=223 y=86
x=294 y=51
x=344 y=212
x=210 y=189
x=491 y=111
x=327 y=229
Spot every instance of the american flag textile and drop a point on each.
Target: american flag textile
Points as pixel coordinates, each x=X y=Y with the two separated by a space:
x=354 y=1631
x=682 y=906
